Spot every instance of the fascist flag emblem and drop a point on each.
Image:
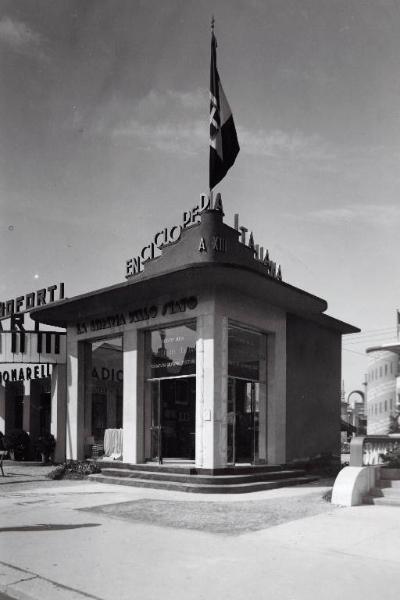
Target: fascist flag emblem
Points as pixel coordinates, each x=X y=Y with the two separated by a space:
x=224 y=146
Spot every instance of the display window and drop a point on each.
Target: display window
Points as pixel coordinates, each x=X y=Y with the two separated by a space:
x=104 y=395
x=171 y=406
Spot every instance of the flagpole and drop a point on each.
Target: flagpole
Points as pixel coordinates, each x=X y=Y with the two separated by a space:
x=224 y=146
x=210 y=195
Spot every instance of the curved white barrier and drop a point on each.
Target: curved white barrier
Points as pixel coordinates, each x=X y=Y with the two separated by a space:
x=352 y=483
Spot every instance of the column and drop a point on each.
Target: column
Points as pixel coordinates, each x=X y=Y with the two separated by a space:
x=2 y=408
x=262 y=440
x=133 y=397
x=211 y=391
x=26 y=414
x=75 y=399
x=276 y=394
x=59 y=410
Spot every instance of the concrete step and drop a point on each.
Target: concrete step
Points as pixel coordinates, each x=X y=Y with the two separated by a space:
x=202 y=488
x=189 y=469
x=389 y=483
x=384 y=501
x=202 y=479
x=391 y=474
x=380 y=492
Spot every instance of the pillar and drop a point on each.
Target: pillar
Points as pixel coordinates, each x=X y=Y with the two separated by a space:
x=2 y=408
x=26 y=414
x=276 y=394
x=133 y=397
x=75 y=399
x=59 y=410
x=211 y=391
x=263 y=416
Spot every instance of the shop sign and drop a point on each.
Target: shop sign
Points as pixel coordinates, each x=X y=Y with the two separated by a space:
x=22 y=304
x=166 y=236
x=25 y=373
x=135 y=316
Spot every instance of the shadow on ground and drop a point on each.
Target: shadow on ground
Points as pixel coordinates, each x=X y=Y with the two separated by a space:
x=47 y=527
x=231 y=518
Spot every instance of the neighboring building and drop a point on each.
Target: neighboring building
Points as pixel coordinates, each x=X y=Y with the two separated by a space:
x=353 y=415
x=25 y=403
x=383 y=387
x=207 y=355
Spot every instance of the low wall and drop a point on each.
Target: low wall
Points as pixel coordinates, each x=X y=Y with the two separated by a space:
x=352 y=484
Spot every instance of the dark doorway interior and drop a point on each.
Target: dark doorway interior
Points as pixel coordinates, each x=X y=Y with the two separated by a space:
x=174 y=418
x=45 y=413
x=243 y=421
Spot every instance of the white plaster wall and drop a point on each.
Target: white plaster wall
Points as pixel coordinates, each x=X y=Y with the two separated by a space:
x=211 y=391
x=75 y=402
x=272 y=321
x=212 y=314
x=133 y=393
x=59 y=410
x=2 y=408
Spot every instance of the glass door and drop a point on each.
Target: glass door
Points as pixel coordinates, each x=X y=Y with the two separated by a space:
x=243 y=421
x=155 y=427
x=173 y=418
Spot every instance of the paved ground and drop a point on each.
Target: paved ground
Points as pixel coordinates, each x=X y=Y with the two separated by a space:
x=51 y=549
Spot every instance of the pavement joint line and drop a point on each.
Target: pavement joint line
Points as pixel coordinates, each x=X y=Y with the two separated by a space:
x=39 y=577
x=23 y=579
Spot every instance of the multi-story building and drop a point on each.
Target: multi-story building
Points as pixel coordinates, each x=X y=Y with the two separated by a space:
x=383 y=388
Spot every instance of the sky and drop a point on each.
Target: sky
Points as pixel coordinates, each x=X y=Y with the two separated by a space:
x=104 y=140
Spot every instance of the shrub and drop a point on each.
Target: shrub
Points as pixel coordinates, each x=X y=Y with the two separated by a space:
x=17 y=442
x=74 y=469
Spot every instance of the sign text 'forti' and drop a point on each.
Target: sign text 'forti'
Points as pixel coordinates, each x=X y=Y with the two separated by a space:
x=25 y=303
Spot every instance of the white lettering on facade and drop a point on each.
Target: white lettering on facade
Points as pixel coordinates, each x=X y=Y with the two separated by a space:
x=25 y=303
x=135 y=316
x=167 y=236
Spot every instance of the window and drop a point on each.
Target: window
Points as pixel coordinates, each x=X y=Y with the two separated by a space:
x=386 y=369
x=104 y=389
x=243 y=353
x=385 y=406
x=173 y=351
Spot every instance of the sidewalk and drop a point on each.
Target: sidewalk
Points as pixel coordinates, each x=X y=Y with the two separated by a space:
x=67 y=541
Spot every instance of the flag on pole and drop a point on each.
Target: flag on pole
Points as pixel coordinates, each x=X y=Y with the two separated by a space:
x=224 y=146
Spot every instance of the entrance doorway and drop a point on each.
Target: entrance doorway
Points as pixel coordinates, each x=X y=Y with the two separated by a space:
x=243 y=421
x=173 y=416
